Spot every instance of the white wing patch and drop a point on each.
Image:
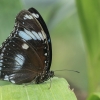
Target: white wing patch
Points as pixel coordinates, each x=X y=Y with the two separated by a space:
x=45 y=54
x=19 y=61
x=24 y=35
x=28 y=17
x=6 y=78
x=44 y=36
x=25 y=46
x=11 y=78
x=36 y=35
x=1 y=60
x=40 y=34
x=12 y=81
x=1 y=65
x=30 y=34
x=35 y=15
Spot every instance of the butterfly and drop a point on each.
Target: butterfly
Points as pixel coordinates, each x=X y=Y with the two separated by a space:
x=26 y=55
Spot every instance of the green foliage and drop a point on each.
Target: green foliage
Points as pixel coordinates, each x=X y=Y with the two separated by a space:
x=89 y=13
x=95 y=96
x=8 y=11
x=59 y=90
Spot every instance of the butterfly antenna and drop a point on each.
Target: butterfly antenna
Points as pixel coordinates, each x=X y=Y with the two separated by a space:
x=67 y=70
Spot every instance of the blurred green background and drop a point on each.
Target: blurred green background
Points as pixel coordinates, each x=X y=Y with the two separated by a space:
x=69 y=50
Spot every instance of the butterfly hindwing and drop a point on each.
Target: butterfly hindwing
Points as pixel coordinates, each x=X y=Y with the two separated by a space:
x=16 y=57
x=27 y=52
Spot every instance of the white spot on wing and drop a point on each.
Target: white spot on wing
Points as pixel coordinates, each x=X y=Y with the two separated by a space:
x=2 y=54
x=36 y=35
x=3 y=49
x=24 y=35
x=30 y=34
x=1 y=64
x=35 y=15
x=28 y=17
x=11 y=76
x=12 y=81
x=1 y=60
x=19 y=61
x=45 y=54
x=6 y=77
x=40 y=34
x=44 y=36
x=25 y=46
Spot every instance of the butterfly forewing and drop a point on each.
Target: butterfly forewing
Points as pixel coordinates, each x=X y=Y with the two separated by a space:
x=27 y=51
x=36 y=14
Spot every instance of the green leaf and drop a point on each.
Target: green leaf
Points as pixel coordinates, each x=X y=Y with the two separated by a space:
x=95 y=96
x=59 y=90
x=89 y=13
x=8 y=11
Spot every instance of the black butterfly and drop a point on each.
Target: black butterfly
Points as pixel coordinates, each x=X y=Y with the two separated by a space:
x=26 y=54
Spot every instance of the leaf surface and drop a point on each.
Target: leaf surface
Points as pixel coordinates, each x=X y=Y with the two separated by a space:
x=59 y=90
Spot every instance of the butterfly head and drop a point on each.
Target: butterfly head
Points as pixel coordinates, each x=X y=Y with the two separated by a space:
x=51 y=74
